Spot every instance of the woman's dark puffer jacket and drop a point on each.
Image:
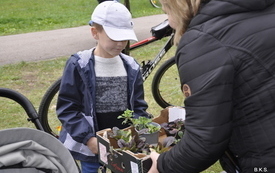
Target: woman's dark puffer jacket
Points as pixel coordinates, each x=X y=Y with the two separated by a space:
x=226 y=61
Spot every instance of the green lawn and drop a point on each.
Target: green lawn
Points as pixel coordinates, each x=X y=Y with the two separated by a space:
x=22 y=16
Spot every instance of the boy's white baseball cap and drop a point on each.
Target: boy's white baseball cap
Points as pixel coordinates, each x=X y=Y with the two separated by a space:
x=115 y=19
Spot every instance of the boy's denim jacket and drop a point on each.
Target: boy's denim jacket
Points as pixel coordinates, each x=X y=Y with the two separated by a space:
x=76 y=101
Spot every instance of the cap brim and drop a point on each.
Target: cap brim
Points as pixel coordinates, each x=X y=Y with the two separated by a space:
x=120 y=34
x=91 y=23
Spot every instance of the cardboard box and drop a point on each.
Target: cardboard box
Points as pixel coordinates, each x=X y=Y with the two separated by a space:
x=126 y=161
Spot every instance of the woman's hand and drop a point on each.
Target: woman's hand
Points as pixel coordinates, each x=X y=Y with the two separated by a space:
x=92 y=145
x=154 y=156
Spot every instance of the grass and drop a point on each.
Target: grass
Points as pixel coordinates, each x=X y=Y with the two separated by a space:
x=23 y=16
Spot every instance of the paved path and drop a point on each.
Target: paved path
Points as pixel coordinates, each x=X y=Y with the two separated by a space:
x=38 y=46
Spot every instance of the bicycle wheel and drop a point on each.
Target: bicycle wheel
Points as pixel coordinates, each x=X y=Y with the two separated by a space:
x=166 y=85
x=155 y=3
x=47 y=110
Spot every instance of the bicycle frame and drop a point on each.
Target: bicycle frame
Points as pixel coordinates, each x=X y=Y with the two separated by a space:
x=143 y=42
x=158 y=32
x=150 y=65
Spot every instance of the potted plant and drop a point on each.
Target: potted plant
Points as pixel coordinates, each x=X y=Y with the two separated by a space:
x=174 y=128
x=126 y=141
x=144 y=127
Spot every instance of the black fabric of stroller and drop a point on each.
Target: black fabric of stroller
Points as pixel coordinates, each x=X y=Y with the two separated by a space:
x=27 y=150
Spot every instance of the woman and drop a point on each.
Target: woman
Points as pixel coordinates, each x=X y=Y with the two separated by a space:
x=226 y=59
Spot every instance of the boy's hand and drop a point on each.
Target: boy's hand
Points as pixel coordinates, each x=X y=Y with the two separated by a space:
x=92 y=145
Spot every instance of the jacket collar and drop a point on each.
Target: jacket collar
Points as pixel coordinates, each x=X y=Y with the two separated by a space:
x=214 y=8
x=87 y=55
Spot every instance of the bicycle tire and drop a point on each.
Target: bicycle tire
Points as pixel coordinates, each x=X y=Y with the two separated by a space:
x=155 y=3
x=45 y=112
x=166 y=90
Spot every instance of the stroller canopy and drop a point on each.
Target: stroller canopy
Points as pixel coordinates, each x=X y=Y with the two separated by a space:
x=27 y=150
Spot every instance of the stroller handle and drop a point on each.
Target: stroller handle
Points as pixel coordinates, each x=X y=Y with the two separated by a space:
x=25 y=103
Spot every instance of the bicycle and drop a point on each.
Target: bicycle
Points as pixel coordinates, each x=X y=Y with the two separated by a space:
x=155 y=3
x=160 y=94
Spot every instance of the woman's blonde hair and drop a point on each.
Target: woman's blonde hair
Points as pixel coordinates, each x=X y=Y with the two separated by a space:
x=182 y=11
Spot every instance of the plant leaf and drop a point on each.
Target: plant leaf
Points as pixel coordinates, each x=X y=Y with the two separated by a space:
x=168 y=141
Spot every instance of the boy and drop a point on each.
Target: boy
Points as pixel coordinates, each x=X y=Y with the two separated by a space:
x=100 y=84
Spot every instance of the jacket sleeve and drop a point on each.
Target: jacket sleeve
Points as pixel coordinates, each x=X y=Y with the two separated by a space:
x=140 y=105
x=206 y=72
x=70 y=108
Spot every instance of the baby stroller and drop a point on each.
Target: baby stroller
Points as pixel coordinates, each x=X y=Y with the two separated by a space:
x=28 y=150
